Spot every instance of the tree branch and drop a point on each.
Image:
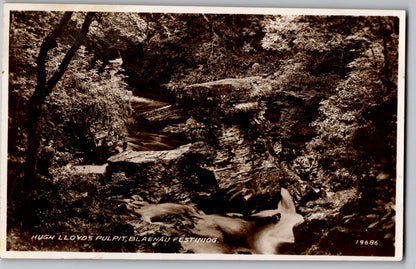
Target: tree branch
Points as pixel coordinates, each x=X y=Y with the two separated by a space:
x=43 y=89
x=48 y=44
x=386 y=67
x=67 y=59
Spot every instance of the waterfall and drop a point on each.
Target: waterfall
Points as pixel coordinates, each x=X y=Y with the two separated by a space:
x=234 y=234
x=286 y=204
x=274 y=236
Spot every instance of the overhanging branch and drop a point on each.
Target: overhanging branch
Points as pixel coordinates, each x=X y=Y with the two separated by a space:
x=67 y=59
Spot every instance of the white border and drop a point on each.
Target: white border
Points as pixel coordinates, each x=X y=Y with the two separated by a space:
x=201 y=9
x=4 y=132
x=7 y=7
x=400 y=138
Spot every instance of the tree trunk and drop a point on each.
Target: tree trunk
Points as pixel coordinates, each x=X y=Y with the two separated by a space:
x=43 y=89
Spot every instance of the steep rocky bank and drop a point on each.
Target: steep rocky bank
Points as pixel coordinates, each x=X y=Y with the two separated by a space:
x=240 y=139
x=239 y=143
x=242 y=136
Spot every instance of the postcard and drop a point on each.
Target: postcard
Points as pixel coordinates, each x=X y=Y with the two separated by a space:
x=179 y=132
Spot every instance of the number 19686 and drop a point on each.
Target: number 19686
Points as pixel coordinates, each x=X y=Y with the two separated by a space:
x=367 y=242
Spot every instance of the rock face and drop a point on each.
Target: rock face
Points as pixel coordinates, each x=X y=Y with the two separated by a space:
x=225 y=98
x=322 y=229
x=257 y=130
x=166 y=175
x=242 y=136
x=140 y=158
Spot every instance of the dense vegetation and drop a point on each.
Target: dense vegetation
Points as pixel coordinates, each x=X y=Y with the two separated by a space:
x=305 y=102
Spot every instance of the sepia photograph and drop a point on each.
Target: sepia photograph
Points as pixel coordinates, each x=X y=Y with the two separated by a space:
x=162 y=132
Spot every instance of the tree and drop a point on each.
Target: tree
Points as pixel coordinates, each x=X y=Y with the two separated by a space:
x=43 y=88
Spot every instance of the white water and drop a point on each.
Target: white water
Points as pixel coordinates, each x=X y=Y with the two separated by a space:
x=235 y=235
x=286 y=204
x=274 y=236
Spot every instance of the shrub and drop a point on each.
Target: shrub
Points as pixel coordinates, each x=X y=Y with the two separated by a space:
x=87 y=112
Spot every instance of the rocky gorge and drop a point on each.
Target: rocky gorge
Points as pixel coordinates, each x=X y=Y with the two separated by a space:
x=222 y=149
x=163 y=125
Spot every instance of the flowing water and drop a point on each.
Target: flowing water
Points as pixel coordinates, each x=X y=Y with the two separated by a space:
x=233 y=234
x=275 y=237
x=147 y=137
x=238 y=235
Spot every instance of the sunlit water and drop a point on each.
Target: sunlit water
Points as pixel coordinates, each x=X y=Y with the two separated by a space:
x=233 y=234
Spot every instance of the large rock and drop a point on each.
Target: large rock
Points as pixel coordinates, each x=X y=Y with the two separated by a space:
x=166 y=175
x=161 y=117
x=225 y=98
x=140 y=158
x=240 y=89
x=323 y=232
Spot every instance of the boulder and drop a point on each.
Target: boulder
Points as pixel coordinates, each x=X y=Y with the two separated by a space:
x=140 y=158
x=164 y=176
x=161 y=117
x=89 y=169
x=324 y=220
x=225 y=98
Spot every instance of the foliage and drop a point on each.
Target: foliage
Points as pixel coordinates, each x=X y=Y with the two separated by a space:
x=348 y=127
x=88 y=110
x=355 y=145
x=84 y=117
x=310 y=100
x=27 y=30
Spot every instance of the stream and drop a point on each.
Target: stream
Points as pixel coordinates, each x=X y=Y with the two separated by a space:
x=145 y=136
x=265 y=232
x=238 y=235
